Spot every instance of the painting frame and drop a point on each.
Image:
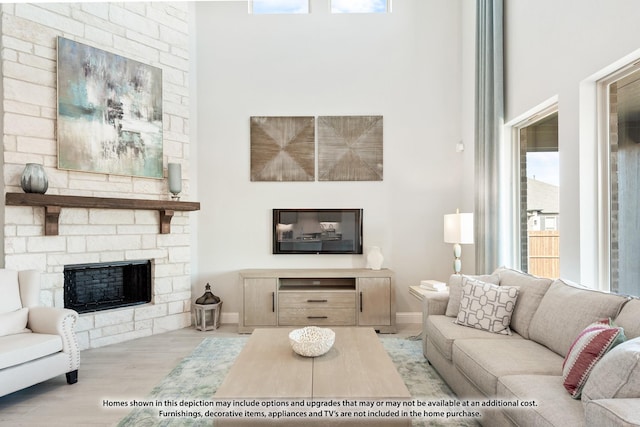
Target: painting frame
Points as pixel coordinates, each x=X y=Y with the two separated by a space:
x=110 y=112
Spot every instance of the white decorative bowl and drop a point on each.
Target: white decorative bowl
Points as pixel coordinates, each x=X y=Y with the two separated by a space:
x=312 y=341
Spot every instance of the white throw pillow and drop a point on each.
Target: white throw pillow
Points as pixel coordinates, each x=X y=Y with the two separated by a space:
x=456 y=281
x=487 y=306
x=14 y=322
x=9 y=291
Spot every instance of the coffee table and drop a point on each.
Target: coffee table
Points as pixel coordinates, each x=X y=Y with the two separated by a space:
x=357 y=368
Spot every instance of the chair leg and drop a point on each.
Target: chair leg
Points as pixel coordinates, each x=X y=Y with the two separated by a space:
x=72 y=377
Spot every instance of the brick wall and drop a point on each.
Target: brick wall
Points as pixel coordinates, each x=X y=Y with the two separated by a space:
x=153 y=33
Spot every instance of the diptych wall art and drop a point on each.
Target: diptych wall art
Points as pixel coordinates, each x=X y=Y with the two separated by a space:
x=282 y=148
x=109 y=112
x=349 y=148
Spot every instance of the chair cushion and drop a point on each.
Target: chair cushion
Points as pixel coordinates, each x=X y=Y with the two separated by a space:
x=486 y=306
x=14 y=322
x=20 y=348
x=443 y=332
x=557 y=408
x=616 y=375
x=531 y=289
x=484 y=361
x=9 y=291
x=587 y=349
x=565 y=310
x=455 y=290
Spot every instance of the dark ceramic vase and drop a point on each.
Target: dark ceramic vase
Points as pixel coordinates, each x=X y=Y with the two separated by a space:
x=34 y=179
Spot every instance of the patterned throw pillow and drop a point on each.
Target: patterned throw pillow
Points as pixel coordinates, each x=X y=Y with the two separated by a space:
x=486 y=306
x=587 y=349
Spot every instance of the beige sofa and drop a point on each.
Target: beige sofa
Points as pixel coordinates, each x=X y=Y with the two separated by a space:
x=527 y=366
x=36 y=343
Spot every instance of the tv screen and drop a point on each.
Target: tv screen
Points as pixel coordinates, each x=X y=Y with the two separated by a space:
x=317 y=231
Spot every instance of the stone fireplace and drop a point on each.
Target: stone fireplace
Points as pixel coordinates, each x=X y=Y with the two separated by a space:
x=155 y=33
x=105 y=285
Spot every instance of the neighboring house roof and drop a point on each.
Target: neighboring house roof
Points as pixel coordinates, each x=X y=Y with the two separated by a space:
x=542 y=197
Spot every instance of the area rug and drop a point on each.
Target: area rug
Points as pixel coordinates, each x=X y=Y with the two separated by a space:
x=200 y=374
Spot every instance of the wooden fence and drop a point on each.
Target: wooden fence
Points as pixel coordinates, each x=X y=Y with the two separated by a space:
x=544 y=253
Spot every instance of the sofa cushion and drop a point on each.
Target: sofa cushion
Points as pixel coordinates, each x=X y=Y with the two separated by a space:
x=455 y=290
x=443 y=332
x=14 y=322
x=612 y=412
x=486 y=306
x=9 y=291
x=565 y=310
x=616 y=375
x=484 y=361
x=21 y=348
x=554 y=406
x=587 y=349
x=531 y=289
x=628 y=318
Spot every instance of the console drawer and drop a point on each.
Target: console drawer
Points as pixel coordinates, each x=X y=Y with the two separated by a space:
x=317 y=316
x=314 y=300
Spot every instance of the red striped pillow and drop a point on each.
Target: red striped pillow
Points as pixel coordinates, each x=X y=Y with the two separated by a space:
x=587 y=349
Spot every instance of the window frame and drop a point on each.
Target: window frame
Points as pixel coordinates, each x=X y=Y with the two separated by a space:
x=603 y=143
x=511 y=165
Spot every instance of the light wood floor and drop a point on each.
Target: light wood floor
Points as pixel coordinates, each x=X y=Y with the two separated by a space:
x=127 y=370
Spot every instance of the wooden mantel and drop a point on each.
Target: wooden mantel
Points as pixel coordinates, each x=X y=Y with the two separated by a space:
x=53 y=204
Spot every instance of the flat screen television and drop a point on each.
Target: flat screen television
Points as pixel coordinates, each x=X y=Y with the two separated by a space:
x=317 y=231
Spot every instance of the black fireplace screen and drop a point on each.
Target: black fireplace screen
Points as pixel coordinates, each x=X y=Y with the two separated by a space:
x=101 y=286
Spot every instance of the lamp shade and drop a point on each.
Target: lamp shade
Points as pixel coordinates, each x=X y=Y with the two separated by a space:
x=458 y=228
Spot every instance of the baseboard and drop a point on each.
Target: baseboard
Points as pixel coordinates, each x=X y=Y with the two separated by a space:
x=226 y=318
x=401 y=318
x=409 y=317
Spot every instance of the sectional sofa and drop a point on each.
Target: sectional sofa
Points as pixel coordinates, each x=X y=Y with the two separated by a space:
x=520 y=362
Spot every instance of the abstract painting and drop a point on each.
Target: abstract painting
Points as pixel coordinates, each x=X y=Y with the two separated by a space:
x=282 y=148
x=109 y=112
x=350 y=148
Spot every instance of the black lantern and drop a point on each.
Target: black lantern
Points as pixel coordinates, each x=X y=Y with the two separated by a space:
x=208 y=297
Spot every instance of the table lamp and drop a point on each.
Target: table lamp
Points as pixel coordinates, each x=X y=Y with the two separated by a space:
x=458 y=229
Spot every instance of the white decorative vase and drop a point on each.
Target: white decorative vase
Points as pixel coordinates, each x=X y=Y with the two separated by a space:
x=374 y=258
x=34 y=179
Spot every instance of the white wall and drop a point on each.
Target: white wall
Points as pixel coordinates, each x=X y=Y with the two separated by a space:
x=551 y=49
x=405 y=66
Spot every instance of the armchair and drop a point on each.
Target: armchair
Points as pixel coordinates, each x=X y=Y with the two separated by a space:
x=36 y=343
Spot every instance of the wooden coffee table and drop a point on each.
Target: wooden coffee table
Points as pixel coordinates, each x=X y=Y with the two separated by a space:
x=357 y=368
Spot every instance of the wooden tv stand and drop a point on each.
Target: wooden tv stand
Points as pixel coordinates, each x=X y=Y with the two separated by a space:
x=318 y=297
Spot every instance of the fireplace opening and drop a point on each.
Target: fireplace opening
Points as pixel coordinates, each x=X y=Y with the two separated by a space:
x=102 y=286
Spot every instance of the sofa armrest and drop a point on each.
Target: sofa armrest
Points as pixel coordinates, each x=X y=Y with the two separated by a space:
x=56 y=321
x=612 y=412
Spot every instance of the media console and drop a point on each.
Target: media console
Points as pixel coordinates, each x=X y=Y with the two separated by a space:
x=317 y=297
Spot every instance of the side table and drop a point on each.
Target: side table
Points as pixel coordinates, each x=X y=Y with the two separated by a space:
x=419 y=292
x=207 y=316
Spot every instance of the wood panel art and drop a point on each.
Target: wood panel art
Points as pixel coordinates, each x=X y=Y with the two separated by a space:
x=350 y=148
x=282 y=148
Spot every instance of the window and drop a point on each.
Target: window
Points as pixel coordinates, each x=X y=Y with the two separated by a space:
x=623 y=166
x=539 y=195
x=360 y=6
x=264 y=7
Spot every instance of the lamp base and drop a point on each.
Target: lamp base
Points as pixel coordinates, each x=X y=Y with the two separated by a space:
x=457 y=262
